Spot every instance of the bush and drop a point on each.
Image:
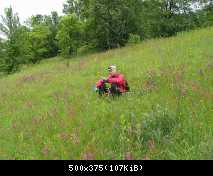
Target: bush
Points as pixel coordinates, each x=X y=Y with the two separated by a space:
x=134 y=39
x=158 y=125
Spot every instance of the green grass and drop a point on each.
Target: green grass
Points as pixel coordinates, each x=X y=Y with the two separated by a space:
x=49 y=111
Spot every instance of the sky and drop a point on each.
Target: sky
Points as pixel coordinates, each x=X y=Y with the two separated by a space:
x=27 y=8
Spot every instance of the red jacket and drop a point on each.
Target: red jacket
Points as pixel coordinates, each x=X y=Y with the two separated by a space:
x=119 y=80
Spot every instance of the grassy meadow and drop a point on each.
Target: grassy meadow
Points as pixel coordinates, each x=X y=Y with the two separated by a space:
x=50 y=111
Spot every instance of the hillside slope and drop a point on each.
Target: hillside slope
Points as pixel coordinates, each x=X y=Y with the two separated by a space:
x=49 y=111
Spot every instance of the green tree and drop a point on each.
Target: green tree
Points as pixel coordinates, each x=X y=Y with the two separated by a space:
x=69 y=35
x=52 y=21
x=206 y=15
x=16 y=49
x=44 y=30
x=2 y=54
x=40 y=22
x=166 y=17
x=36 y=20
x=78 y=7
x=39 y=41
x=113 y=21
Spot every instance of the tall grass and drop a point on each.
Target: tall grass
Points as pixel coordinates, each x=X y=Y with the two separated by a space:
x=49 y=111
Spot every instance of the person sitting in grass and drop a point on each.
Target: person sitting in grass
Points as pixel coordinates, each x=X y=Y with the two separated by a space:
x=115 y=84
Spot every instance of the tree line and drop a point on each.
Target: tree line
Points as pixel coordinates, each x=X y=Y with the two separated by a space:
x=95 y=25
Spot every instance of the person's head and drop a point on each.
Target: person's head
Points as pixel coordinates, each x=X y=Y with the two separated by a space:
x=112 y=69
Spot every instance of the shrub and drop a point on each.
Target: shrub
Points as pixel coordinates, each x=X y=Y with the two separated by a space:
x=134 y=39
x=158 y=125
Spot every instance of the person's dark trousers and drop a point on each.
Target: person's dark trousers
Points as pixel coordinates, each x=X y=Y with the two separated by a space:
x=102 y=90
x=114 y=90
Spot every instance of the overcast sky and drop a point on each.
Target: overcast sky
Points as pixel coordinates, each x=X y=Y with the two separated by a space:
x=27 y=8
